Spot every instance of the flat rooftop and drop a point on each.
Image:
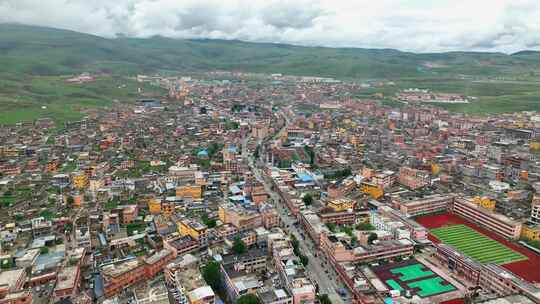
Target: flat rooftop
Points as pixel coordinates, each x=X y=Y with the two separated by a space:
x=10 y=277
x=67 y=277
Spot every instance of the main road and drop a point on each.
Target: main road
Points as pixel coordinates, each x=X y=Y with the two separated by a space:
x=317 y=268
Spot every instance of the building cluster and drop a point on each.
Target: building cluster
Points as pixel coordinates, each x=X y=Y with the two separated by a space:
x=285 y=188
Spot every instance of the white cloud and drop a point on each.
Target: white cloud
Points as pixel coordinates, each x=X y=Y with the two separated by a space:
x=412 y=25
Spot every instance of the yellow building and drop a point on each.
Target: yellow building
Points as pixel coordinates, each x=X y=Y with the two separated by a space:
x=192 y=228
x=485 y=202
x=193 y=191
x=154 y=205
x=80 y=180
x=167 y=208
x=530 y=233
x=534 y=145
x=435 y=169
x=341 y=204
x=372 y=190
x=241 y=219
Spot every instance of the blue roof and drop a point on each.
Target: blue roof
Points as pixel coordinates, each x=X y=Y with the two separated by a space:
x=202 y=153
x=232 y=149
x=237 y=198
x=98 y=286
x=305 y=177
x=235 y=189
x=388 y=301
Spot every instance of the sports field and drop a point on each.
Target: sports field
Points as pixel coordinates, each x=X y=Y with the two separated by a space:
x=414 y=277
x=476 y=245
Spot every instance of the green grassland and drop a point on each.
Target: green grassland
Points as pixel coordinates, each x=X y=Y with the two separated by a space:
x=476 y=245
x=493 y=96
x=33 y=59
x=49 y=96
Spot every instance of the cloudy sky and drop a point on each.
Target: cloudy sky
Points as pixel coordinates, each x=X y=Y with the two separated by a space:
x=412 y=25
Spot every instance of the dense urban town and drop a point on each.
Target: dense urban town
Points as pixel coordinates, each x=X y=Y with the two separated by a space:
x=272 y=189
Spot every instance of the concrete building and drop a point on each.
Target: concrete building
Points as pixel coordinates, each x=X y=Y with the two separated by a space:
x=413 y=178
x=488 y=219
x=425 y=205
x=67 y=284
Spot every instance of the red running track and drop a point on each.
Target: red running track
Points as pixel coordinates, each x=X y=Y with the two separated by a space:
x=455 y=301
x=526 y=269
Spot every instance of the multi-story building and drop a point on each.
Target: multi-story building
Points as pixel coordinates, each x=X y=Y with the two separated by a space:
x=79 y=179
x=502 y=282
x=373 y=190
x=167 y=208
x=530 y=231
x=270 y=217
x=535 y=209
x=12 y=283
x=458 y=263
x=312 y=225
x=116 y=277
x=186 y=284
x=181 y=244
x=241 y=218
x=336 y=251
x=155 y=263
x=413 y=178
x=488 y=219
x=384 y=179
x=189 y=191
x=425 y=205
x=239 y=273
x=346 y=217
x=67 y=283
x=154 y=205
x=341 y=204
x=119 y=275
x=194 y=229
x=276 y=296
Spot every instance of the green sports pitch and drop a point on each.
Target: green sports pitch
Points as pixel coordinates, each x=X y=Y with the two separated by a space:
x=476 y=245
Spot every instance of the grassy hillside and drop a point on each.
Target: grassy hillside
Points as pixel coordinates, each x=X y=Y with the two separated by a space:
x=32 y=59
x=45 y=51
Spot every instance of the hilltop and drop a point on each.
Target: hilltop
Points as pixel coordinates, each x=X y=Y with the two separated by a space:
x=46 y=51
x=33 y=59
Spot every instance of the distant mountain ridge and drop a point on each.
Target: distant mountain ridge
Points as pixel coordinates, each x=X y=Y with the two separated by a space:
x=31 y=50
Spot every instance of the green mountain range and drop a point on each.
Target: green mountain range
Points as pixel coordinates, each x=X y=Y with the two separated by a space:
x=47 y=51
x=31 y=57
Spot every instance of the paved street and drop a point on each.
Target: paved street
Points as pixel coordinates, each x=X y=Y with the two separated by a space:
x=316 y=267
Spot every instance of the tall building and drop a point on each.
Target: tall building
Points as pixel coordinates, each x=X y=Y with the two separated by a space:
x=493 y=221
x=535 y=209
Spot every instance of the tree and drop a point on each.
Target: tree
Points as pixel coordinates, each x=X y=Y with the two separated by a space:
x=44 y=250
x=372 y=237
x=304 y=260
x=307 y=199
x=348 y=230
x=365 y=226
x=70 y=201
x=211 y=223
x=248 y=299
x=311 y=154
x=324 y=299
x=354 y=240
x=68 y=227
x=211 y=274
x=239 y=246
x=331 y=226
